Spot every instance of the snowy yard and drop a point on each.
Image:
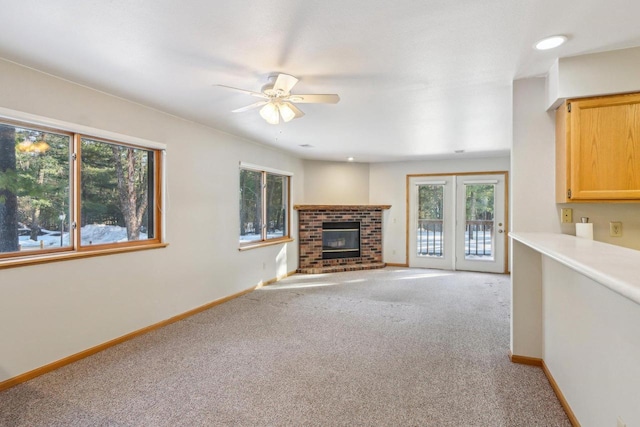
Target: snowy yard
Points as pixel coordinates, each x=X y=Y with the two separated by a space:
x=247 y=238
x=93 y=234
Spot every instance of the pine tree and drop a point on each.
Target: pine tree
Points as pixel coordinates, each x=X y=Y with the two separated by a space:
x=132 y=179
x=8 y=198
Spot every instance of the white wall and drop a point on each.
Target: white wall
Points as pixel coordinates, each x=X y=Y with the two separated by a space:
x=51 y=311
x=533 y=160
x=593 y=74
x=336 y=183
x=387 y=185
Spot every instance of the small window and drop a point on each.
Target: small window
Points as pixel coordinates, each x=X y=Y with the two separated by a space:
x=264 y=206
x=65 y=192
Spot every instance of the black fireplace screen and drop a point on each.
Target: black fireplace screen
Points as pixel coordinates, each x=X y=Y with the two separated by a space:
x=340 y=240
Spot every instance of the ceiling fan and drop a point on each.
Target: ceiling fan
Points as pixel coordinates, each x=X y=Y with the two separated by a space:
x=278 y=101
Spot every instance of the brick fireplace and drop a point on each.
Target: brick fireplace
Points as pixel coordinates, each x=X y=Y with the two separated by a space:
x=326 y=237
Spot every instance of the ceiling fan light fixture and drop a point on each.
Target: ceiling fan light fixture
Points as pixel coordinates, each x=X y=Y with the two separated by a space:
x=270 y=113
x=550 y=42
x=286 y=112
x=277 y=101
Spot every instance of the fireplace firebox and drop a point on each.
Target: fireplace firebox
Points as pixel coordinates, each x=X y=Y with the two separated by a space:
x=340 y=240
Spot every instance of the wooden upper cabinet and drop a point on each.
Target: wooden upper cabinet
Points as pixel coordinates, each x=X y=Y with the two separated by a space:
x=598 y=149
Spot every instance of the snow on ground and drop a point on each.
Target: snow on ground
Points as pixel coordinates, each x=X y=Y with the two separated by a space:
x=253 y=237
x=92 y=234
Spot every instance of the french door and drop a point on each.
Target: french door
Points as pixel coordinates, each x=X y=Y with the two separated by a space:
x=458 y=222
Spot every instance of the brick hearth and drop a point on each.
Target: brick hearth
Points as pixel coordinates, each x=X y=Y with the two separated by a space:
x=310 y=219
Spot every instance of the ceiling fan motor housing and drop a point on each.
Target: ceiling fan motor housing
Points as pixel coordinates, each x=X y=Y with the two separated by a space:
x=268 y=89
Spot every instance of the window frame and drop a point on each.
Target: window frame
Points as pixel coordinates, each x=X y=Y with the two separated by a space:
x=78 y=193
x=264 y=241
x=75 y=249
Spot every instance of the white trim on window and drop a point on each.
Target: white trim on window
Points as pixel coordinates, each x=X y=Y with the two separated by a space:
x=431 y=183
x=481 y=181
x=33 y=119
x=258 y=168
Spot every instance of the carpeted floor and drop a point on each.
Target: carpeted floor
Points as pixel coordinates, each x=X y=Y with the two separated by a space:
x=391 y=347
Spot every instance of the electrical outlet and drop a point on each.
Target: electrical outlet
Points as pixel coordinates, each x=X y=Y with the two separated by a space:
x=615 y=229
x=621 y=423
x=566 y=215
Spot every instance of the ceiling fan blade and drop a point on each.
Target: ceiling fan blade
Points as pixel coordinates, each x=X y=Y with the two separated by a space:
x=298 y=112
x=248 y=92
x=250 y=107
x=315 y=99
x=285 y=83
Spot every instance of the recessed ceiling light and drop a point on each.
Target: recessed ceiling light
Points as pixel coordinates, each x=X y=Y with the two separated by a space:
x=350 y=159
x=550 y=42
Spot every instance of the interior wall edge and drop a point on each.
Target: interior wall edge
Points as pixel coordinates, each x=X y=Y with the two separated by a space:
x=534 y=361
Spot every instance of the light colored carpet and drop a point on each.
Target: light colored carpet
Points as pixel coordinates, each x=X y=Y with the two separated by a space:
x=390 y=347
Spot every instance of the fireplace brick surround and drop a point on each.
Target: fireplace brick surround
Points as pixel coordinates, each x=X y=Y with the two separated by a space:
x=310 y=219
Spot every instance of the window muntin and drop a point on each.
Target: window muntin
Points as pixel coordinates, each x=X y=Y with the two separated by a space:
x=264 y=204
x=47 y=186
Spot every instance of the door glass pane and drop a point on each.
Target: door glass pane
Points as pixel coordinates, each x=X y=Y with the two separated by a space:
x=479 y=229
x=429 y=229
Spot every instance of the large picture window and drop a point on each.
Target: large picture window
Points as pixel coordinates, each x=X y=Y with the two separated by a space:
x=264 y=206
x=66 y=192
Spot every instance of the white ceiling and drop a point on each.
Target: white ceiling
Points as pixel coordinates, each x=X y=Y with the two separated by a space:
x=417 y=79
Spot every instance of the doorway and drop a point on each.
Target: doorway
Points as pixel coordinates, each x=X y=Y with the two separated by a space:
x=457 y=221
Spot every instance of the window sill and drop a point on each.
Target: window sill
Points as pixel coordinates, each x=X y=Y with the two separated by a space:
x=43 y=259
x=261 y=244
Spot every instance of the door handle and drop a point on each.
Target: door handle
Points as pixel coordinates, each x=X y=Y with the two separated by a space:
x=500 y=231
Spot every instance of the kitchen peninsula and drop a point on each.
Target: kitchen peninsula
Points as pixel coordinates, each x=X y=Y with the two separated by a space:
x=576 y=312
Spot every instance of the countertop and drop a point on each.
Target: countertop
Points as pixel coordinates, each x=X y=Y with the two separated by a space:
x=615 y=267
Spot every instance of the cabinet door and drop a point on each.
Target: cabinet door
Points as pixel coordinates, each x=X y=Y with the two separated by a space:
x=605 y=148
